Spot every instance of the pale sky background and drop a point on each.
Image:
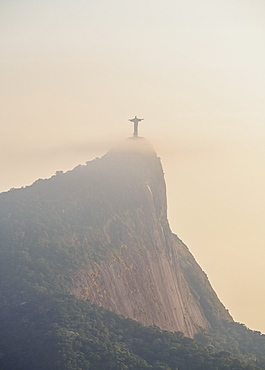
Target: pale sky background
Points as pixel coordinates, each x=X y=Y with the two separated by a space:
x=74 y=72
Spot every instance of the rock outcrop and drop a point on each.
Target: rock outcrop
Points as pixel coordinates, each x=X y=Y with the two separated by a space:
x=145 y=281
x=101 y=233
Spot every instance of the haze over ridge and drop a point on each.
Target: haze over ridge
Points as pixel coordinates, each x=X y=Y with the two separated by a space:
x=194 y=72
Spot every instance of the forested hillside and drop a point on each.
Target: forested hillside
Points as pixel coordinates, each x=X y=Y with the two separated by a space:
x=99 y=236
x=43 y=331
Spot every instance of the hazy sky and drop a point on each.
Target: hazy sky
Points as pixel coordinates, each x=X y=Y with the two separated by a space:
x=74 y=72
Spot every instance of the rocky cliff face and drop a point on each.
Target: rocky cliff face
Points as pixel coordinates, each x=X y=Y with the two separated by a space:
x=145 y=281
x=101 y=232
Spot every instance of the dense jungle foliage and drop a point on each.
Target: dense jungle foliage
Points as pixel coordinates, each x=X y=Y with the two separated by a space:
x=43 y=331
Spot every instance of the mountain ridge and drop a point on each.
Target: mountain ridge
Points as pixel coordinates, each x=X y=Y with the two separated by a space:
x=104 y=226
x=96 y=239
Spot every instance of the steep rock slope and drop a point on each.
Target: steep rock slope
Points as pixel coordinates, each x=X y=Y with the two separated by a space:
x=101 y=232
x=145 y=281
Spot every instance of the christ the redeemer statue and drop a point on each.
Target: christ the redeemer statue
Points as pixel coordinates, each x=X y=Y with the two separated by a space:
x=135 y=120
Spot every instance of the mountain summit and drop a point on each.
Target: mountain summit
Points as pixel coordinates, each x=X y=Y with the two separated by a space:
x=101 y=233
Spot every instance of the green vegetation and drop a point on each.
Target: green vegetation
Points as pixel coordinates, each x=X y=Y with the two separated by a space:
x=236 y=338
x=57 y=331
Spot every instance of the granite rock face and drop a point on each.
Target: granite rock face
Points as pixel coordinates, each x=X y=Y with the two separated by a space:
x=147 y=278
